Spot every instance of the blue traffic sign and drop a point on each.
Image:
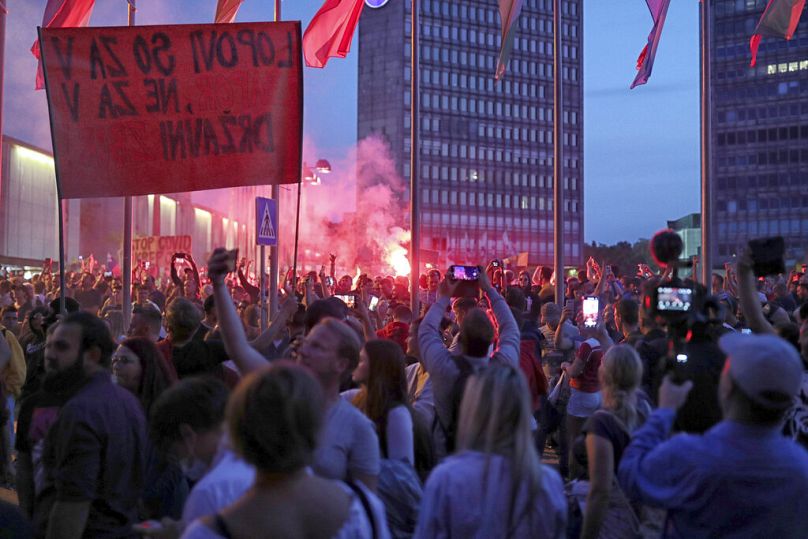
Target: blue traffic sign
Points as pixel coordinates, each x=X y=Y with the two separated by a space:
x=266 y=221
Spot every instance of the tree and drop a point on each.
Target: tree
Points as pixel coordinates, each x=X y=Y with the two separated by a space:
x=623 y=255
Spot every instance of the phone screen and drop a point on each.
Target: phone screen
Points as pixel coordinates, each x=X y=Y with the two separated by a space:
x=374 y=302
x=591 y=311
x=465 y=273
x=674 y=299
x=349 y=300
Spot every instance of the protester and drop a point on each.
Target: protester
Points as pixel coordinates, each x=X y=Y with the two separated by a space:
x=741 y=478
x=187 y=424
x=585 y=397
x=495 y=486
x=419 y=386
x=605 y=436
x=476 y=339
x=93 y=452
x=399 y=328
x=273 y=420
x=348 y=448
x=185 y=347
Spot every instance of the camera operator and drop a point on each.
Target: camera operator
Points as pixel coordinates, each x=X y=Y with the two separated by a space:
x=741 y=478
x=693 y=322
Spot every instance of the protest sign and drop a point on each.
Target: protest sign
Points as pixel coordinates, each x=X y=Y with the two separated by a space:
x=157 y=250
x=159 y=109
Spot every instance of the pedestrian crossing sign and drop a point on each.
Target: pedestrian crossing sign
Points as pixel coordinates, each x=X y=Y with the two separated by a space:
x=266 y=221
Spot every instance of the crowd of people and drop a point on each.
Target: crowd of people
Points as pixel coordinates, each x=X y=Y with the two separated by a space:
x=350 y=416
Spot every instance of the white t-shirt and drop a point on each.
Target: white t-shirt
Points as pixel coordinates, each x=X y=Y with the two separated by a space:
x=348 y=444
x=357 y=526
x=228 y=479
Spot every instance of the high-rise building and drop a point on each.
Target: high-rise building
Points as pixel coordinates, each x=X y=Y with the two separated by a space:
x=759 y=133
x=486 y=162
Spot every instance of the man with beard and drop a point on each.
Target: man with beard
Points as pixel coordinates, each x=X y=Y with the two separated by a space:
x=92 y=455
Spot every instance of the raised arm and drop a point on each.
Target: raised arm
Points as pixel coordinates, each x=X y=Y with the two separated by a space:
x=509 y=335
x=278 y=324
x=246 y=358
x=253 y=291
x=748 y=296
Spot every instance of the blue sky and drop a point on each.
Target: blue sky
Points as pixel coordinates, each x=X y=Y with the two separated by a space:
x=641 y=146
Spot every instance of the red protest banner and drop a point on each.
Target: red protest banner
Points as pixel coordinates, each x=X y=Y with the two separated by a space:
x=165 y=109
x=157 y=250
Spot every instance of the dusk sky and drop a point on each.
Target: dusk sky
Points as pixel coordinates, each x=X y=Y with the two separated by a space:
x=641 y=146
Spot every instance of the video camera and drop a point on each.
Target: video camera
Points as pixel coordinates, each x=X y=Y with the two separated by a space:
x=689 y=312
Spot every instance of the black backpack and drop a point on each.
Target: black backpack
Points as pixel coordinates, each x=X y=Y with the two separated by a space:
x=466 y=371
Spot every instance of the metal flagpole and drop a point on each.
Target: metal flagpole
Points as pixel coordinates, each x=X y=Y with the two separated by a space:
x=558 y=158
x=415 y=223
x=59 y=200
x=706 y=161
x=274 y=261
x=127 y=226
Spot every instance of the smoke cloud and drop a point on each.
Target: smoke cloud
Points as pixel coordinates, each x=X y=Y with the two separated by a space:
x=358 y=212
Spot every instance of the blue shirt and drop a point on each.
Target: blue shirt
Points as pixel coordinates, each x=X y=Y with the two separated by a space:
x=735 y=480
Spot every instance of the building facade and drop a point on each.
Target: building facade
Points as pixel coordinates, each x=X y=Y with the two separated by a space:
x=759 y=133
x=486 y=161
x=29 y=230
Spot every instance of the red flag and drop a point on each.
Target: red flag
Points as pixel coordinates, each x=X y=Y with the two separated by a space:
x=645 y=62
x=61 y=14
x=331 y=31
x=226 y=10
x=779 y=19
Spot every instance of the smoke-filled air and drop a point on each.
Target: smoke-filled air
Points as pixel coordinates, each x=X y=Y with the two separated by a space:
x=368 y=232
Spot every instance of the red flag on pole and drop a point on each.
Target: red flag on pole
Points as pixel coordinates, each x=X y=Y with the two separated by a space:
x=645 y=62
x=779 y=19
x=331 y=31
x=61 y=14
x=226 y=10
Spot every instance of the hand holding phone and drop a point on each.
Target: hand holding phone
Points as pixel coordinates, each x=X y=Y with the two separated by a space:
x=591 y=311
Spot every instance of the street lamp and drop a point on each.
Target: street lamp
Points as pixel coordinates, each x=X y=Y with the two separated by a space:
x=312 y=176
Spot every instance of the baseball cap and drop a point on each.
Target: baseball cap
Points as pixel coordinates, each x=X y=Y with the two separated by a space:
x=767 y=368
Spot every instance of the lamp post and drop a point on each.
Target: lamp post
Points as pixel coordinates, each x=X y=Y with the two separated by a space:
x=311 y=177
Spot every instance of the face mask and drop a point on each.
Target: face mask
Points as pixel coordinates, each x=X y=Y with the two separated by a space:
x=193 y=468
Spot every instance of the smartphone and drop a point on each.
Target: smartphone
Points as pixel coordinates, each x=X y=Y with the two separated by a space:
x=591 y=311
x=107 y=274
x=329 y=281
x=496 y=264
x=464 y=273
x=674 y=299
x=570 y=304
x=232 y=257
x=768 y=256
x=349 y=300
x=374 y=302
x=746 y=331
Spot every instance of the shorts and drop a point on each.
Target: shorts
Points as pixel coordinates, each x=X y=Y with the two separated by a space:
x=583 y=404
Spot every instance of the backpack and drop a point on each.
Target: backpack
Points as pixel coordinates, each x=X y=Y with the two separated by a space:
x=531 y=366
x=466 y=370
x=13 y=376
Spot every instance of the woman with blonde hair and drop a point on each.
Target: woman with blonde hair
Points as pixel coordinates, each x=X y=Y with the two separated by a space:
x=604 y=437
x=495 y=486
